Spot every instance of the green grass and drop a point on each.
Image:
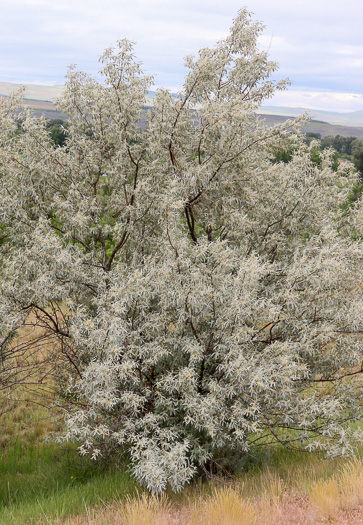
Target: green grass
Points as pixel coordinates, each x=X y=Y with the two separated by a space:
x=39 y=478
x=52 y=480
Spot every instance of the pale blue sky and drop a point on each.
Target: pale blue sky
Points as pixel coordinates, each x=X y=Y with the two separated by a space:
x=318 y=44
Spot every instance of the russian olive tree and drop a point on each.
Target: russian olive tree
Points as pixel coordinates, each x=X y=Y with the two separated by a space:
x=205 y=298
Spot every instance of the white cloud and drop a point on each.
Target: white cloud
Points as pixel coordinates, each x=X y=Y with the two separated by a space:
x=350 y=50
x=328 y=101
x=318 y=44
x=276 y=44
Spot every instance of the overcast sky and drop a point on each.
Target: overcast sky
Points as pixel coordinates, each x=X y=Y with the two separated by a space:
x=318 y=43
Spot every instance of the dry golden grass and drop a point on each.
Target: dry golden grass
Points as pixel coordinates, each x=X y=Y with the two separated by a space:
x=342 y=494
x=338 y=500
x=324 y=497
x=225 y=505
x=141 y=510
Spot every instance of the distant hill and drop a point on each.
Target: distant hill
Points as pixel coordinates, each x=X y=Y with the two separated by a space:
x=354 y=118
x=43 y=107
x=40 y=98
x=317 y=126
x=43 y=93
x=32 y=91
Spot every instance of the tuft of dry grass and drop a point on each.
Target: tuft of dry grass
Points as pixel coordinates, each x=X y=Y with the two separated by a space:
x=146 y=510
x=324 y=496
x=341 y=494
x=225 y=506
x=351 y=485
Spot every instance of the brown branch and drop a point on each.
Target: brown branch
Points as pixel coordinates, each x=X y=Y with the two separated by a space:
x=190 y=220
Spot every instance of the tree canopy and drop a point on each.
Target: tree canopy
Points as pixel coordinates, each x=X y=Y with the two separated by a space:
x=202 y=299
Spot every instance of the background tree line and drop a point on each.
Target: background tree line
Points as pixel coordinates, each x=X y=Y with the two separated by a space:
x=349 y=148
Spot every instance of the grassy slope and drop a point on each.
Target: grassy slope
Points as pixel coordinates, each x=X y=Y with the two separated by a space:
x=50 y=488
x=39 y=478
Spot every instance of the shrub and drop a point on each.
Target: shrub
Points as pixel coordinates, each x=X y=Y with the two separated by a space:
x=202 y=298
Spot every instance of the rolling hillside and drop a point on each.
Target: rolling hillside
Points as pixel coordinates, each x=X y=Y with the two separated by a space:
x=354 y=118
x=318 y=126
x=40 y=99
x=32 y=91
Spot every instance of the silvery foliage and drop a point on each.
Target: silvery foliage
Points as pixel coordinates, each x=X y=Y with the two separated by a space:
x=206 y=298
